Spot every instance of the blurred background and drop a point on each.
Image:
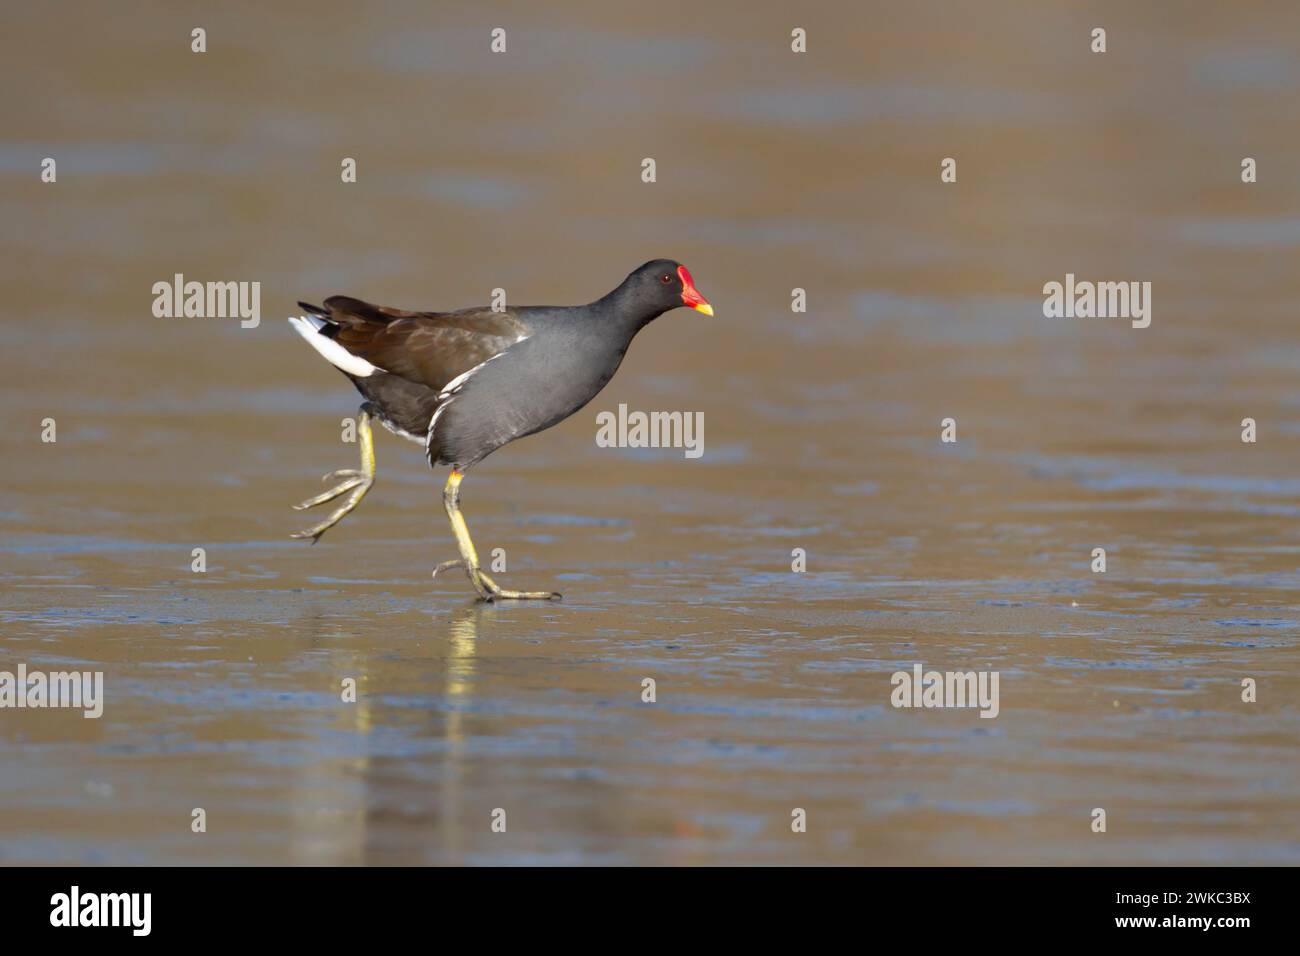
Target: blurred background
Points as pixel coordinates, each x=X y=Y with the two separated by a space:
x=775 y=170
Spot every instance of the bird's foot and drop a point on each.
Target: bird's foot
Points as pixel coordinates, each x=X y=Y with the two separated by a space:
x=355 y=484
x=489 y=590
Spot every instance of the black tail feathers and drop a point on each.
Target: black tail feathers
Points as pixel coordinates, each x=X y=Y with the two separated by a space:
x=314 y=309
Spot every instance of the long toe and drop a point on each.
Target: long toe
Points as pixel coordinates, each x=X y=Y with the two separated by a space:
x=448 y=565
x=503 y=594
x=340 y=489
x=497 y=593
x=533 y=595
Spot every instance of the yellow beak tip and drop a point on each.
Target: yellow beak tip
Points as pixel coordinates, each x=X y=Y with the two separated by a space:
x=705 y=308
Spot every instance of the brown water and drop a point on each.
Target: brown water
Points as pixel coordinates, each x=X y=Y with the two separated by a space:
x=775 y=170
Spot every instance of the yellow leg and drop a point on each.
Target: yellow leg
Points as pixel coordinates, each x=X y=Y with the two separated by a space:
x=358 y=482
x=488 y=589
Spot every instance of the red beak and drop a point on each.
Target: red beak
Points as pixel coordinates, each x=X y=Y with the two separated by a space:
x=691 y=295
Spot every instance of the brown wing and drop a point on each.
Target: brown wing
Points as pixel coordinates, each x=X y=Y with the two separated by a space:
x=428 y=348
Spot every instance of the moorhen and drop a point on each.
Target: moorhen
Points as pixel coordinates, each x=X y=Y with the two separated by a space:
x=464 y=383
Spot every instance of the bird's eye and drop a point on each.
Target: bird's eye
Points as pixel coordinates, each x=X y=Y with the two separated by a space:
x=665 y=279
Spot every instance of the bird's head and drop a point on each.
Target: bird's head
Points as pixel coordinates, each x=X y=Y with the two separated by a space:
x=666 y=284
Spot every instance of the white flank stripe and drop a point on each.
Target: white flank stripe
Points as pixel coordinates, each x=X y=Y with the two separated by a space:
x=334 y=353
x=401 y=432
x=457 y=383
x=428 y=439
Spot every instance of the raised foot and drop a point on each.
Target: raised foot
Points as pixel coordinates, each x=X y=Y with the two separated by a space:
x=355 y=484
x=489 y=590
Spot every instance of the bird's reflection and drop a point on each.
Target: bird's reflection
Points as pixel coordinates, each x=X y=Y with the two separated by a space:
x=342 y=803
x=458 y=690
x=328 y=809
x=462 y=641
